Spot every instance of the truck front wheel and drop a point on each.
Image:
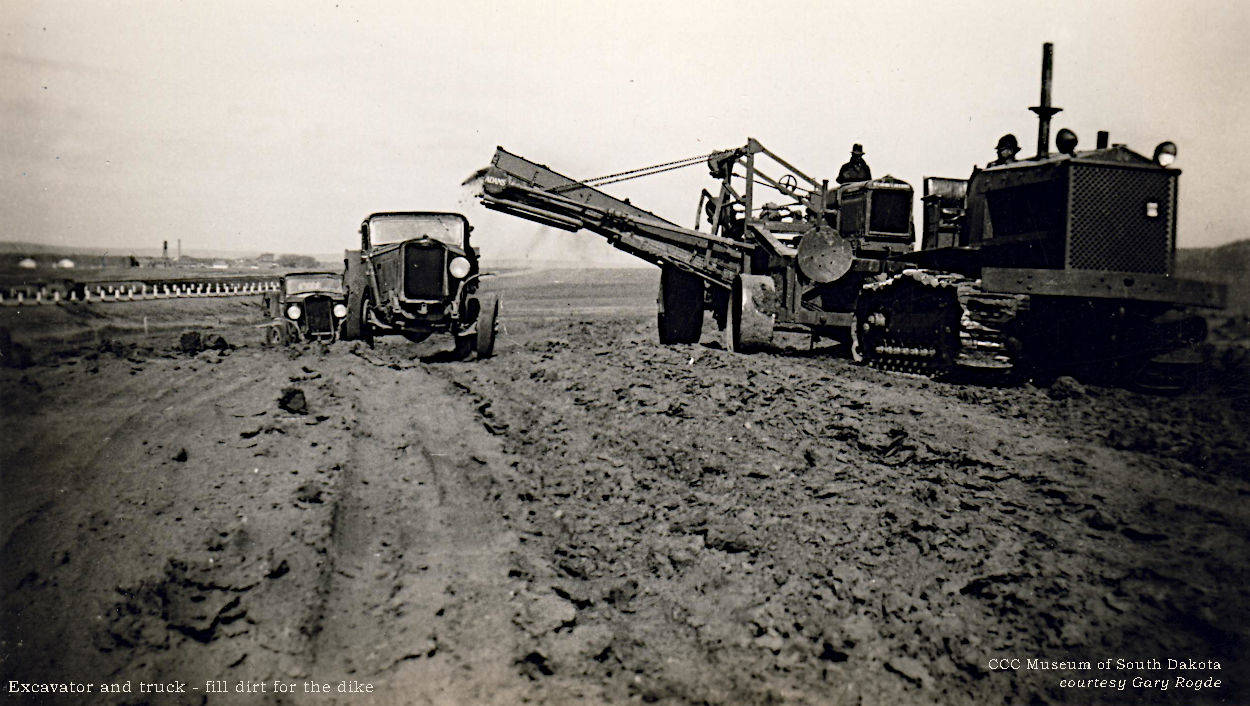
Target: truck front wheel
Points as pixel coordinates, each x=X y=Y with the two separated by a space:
x=355 y=282
x=752 y=313
x=486 y=327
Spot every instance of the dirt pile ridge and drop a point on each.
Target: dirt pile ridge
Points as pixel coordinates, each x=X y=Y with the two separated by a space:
x=777 y=528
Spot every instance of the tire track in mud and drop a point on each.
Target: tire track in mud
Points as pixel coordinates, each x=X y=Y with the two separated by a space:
x=413 y=595
x=366 y=539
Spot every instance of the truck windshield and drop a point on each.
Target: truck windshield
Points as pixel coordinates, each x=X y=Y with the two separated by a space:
x=298 y=284
x=397 y=228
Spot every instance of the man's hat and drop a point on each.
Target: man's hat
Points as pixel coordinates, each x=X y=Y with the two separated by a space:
x=1007 y=142
x=859 y=149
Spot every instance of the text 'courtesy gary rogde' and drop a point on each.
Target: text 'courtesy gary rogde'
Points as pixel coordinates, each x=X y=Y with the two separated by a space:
x=216 y=686
x=1121 y=674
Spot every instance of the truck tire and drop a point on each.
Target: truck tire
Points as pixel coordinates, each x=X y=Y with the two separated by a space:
x=463 y=347
x=356 y=283
x=680 y=303
x=486 y=326
x=752 y=313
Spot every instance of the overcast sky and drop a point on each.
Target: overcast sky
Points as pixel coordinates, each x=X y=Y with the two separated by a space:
x=278 y=126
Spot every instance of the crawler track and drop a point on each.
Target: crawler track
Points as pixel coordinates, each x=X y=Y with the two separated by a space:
x=935 y=324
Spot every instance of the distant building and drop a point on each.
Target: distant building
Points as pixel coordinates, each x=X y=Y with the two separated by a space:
x=27 y=263
x=220 y=265
x=65 y=263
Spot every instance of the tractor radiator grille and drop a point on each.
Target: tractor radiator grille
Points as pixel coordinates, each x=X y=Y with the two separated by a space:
x=317 y=311
x=424 y=269
x=1122 y=220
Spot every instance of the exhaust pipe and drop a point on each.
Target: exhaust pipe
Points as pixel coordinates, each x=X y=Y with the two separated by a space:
x=1045 y=111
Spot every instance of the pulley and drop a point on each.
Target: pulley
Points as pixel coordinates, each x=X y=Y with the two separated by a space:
x=824 y=256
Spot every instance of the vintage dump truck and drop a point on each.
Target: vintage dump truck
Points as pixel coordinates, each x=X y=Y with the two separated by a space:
x=1058 y=263
x=416 y=274
x=308 y=306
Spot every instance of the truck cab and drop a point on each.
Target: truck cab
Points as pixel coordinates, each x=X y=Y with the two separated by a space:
x=308 y=306
x=416 y=274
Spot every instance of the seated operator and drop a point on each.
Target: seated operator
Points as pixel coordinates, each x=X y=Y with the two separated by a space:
x=1007 y=148
x=856 y=169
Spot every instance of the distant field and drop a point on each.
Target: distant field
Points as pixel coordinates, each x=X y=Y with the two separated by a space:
x=122 y=274
x=530 y=297
x=572 y=292
x=1229 y=264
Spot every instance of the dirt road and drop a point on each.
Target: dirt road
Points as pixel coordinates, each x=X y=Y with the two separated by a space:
x=592 y=517
x=171 y=522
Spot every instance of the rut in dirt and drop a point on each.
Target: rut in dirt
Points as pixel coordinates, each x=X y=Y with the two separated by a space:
x=414 y=588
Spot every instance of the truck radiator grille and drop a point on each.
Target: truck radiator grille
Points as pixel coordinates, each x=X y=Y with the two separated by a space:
x=424 y=270
x=317 y=311
x=1122 y=220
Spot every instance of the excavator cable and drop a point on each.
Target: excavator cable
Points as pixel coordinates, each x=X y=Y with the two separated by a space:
x=645 y=174
x=636 y=173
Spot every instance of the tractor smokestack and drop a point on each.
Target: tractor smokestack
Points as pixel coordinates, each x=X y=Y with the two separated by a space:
x=1045 y=111
x=1103 y=140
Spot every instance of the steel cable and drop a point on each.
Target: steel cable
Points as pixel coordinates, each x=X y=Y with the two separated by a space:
x=636 y=173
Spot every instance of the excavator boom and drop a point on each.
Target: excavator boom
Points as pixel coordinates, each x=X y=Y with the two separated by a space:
x=535 y=192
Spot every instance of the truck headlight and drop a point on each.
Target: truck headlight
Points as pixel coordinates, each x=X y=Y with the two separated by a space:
x=293 y=311
x=459 y=268
x=1165 y=153
x=340 y=311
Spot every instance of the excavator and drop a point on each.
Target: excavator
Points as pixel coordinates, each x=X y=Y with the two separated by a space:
x=1059 y=263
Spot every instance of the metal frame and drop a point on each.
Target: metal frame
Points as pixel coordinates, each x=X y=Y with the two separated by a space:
x=1104 y=285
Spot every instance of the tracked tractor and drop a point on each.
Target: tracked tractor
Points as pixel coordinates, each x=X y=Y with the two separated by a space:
x=1061 y=262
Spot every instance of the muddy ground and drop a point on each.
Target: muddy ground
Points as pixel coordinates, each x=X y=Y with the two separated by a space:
x=591 y=517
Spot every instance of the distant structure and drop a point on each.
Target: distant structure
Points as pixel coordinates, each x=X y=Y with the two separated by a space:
x=27 y=263
x=65 y=263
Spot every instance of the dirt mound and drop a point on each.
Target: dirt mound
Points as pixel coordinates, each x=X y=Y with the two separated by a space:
x=812 y=523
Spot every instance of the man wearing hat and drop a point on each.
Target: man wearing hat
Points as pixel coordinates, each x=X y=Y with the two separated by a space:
x=1007 y=148
x=856 y=169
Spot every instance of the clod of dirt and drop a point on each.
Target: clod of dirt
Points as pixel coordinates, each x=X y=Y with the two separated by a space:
x=1064 y=388
x=216 y=342
x=279 y=571
x=293 y=401
x=549 y=613
x=181 y=456
x=910 y=669
x=535 y=665
x=308 y=493
x=815 y=457
x=181 y=601
x=569 y=650
x=191 y=342
x=729 y=537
